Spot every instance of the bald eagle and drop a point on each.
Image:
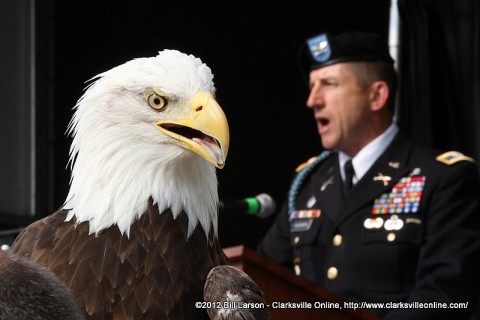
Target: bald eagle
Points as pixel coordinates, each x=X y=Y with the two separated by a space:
x=137 y=234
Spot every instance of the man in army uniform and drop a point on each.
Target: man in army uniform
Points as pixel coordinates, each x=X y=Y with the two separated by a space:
x=377 y=218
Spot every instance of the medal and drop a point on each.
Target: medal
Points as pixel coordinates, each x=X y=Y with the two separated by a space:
x=404 y=197
x=305 y=214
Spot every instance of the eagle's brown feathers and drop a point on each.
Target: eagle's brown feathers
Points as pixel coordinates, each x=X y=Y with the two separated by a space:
x=151 y=275
x=137 y=233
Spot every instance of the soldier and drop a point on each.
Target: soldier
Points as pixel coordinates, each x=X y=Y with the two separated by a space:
x=377 y=217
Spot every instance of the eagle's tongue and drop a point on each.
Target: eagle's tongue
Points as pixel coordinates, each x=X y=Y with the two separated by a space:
x=211 y=146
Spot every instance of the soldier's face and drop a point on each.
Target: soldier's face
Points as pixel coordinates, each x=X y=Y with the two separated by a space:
x=341 y=108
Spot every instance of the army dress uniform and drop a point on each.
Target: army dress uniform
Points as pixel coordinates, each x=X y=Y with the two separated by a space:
x=408 y=231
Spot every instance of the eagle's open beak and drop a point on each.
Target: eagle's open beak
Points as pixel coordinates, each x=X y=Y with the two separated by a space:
x=204 y=131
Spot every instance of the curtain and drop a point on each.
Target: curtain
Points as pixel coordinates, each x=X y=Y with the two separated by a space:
x=439 y=67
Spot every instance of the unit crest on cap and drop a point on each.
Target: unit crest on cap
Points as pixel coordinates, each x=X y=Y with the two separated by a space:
x=319 y=48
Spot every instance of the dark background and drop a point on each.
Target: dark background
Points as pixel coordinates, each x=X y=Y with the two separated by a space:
x=251 y=47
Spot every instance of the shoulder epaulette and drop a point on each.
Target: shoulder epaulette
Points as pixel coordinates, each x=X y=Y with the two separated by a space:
x=452 y=157
x=305 y=164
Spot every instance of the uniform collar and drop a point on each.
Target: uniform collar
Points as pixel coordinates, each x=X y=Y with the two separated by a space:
x=366 y=157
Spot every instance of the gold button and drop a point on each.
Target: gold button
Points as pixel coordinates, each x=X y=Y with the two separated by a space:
x=391 y=236
x=332 y=273
x=296 y=240
x=337 y=240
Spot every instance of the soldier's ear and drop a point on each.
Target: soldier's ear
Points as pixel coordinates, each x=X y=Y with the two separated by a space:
x=379 y=93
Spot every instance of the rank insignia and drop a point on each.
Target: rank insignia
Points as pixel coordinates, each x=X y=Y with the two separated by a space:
x=404 y=197
x=452 y=157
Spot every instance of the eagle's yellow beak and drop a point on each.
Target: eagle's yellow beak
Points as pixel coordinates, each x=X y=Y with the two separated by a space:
x=204 y=131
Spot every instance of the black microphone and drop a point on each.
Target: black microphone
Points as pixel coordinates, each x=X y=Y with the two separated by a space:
x=261 y=206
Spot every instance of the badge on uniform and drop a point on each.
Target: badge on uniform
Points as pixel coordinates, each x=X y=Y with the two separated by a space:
x=305 y=214
x=319 y=48
x=311 y=202
x=326 y=184
x=394 y=223
x=301 y=220
x=452 y=157
x=404 y=197
x=384 y=179
x=373 y=223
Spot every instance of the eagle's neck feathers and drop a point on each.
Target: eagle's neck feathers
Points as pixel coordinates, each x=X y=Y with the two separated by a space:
x=111 y=185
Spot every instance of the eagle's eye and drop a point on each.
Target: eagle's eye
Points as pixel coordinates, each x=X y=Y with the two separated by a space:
x=156 y=101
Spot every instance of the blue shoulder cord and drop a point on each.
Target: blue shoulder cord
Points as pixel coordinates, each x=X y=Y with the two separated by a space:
x=300 y=177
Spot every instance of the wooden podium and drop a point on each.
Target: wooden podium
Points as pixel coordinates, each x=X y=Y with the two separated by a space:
x=281 y=286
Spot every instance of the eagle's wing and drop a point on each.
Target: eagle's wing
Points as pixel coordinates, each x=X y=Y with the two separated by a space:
x=29 y=291
x=154 y=274
x=229 y=293
x=35 y=241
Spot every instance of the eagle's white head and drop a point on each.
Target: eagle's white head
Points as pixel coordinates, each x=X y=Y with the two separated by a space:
x=148 y=128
